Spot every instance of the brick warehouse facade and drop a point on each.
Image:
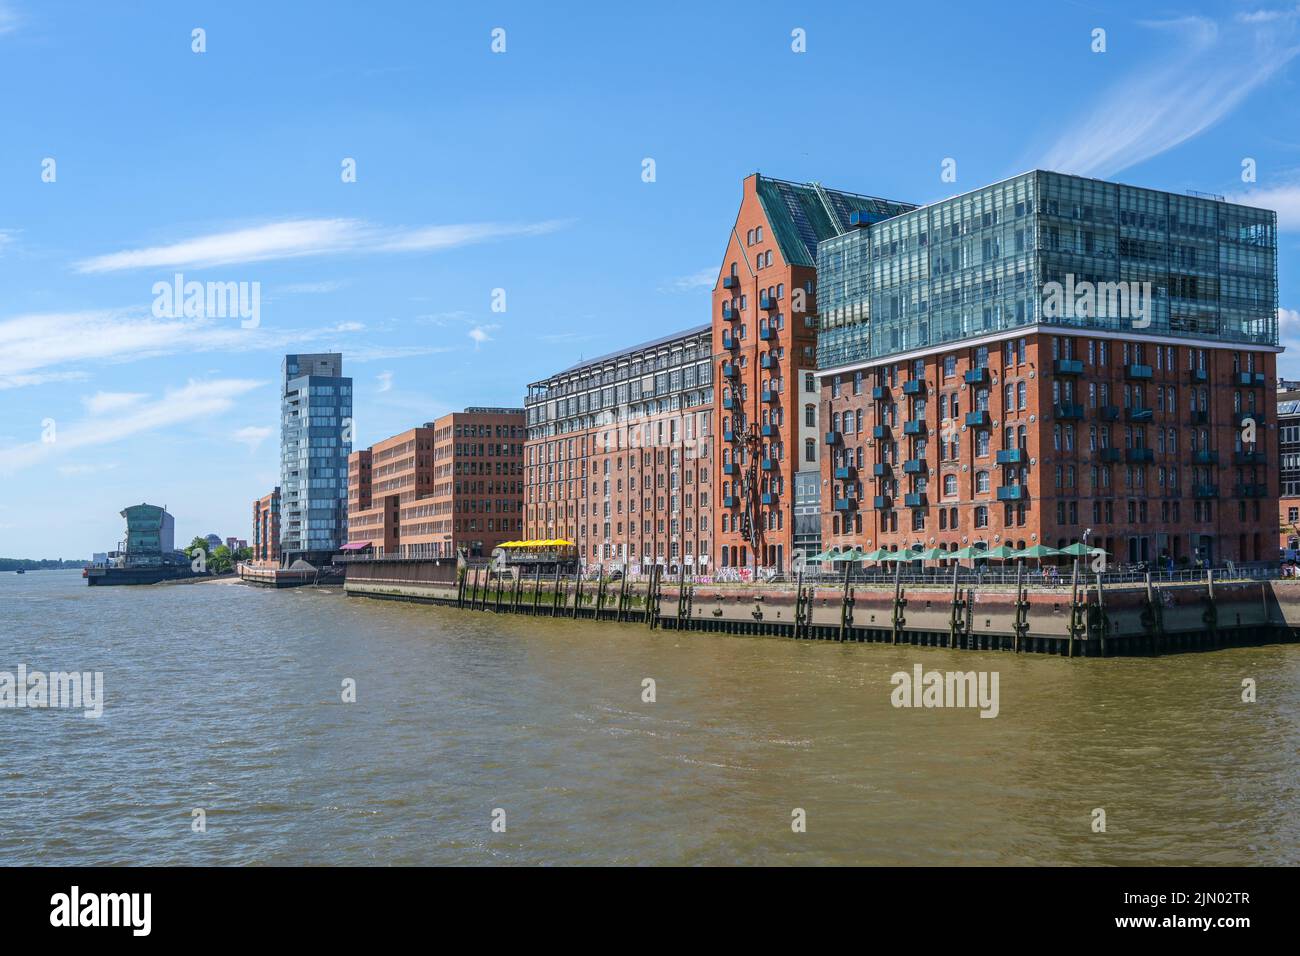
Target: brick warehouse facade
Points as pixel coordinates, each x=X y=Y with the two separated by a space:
x=266 y=530
x=455 y=483
x=958 y=412
x=618 y=455
x=764 y=343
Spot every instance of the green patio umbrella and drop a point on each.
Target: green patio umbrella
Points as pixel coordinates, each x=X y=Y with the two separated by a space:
x=827 y=555
x=968 y=553
x=1038 y=551
x=853 y=554
x=894 y=556
x=1002 y=552
x=930 y=554
x=1076 y=550
x=878 y=555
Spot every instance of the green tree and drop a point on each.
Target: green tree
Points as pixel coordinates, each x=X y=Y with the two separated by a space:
x=220 y=560
x=200 y=543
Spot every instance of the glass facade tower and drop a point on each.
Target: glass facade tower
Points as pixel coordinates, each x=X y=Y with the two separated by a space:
x=315 y=441
x=979 y=264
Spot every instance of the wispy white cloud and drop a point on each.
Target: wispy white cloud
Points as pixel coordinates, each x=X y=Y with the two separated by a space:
x=1175 y=99
x=253 y=436
x=90 y=469
x=9 y=19
x=385 y=381
x=102 y=402
x=1268 y=16
x=704 y=279
x=482 y=333
x=7 y=237
x=33 y=347
x=297 y=238
x=312 y=288
x=1283 y=198
x=1288 y=327
x=195 y=400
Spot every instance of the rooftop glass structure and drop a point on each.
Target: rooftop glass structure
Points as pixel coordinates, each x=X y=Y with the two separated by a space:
x=977 y=264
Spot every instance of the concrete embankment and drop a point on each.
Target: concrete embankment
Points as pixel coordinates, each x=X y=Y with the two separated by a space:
x=1073 y=620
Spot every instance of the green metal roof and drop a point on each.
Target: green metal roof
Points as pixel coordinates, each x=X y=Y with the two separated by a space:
x=803 y=214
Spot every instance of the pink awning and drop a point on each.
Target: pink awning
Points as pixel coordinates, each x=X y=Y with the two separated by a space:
x=355 y=545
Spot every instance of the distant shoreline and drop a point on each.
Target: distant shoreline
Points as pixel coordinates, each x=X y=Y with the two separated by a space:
x=42 y=564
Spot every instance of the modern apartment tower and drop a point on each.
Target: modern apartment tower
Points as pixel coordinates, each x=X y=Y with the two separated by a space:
x=315 y=441
x=451 y=485
x=764 y=345
x=619 y=452
x=1048 y=357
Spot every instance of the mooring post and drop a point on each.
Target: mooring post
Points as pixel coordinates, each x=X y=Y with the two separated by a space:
x=846 y=613
x=1101 y=614
x=952 y=617
x=537 y=586
x=652 y=598
x=681 y=594
x=555 y=597
x=898 y=599
x=577 y=592
x=1022 y=606
x=460 y=588
x=1074 y=607
x=1156 y=611
x=498 y=603
x=600 y=593
x=1211 y=616
x=799 y=612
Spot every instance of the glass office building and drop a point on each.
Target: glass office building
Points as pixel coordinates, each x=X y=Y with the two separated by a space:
x=978 y=264
x=315 y=441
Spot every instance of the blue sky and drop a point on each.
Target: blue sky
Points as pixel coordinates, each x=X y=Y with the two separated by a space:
x=518 y=171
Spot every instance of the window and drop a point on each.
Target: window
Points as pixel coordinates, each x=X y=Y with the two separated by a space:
x=949 y=486
x=810 y=415
x=810 y=450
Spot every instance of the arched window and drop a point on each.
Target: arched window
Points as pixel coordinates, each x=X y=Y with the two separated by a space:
x=982 y=482
x=949 y=485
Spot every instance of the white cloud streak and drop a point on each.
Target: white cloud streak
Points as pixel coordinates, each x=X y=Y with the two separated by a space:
x=195 y=400
x=1174 y=100
x=297 y=238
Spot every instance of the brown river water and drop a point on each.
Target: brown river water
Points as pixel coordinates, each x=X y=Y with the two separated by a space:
x=228 y=699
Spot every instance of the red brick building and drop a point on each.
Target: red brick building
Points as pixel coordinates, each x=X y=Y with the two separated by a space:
x=266 y=530
x=618 y=455
x=764 y=343
x=452 y=484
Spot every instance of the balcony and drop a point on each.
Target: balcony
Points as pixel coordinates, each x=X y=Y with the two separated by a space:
x=1137 y=413
x=882 y=469
x=845 y=473
x=1109 y=454
x=914 y=466
x=1248 y=379
x=731 y=282
x=1011 y=456
x=768 y=464
x=729 y=314
x=765 y=361
x=880 y=393
x=832 y=438
x=1139 y=454
x=729 y=341
x=1069 y=412
x=1139 y=372
x=769 y=498
x=882 y=502
x=880 y=431
x=768 y=430
x=730 y=468
x=1205 y=457
x=1205 y=491
x=846 y=504
x=1239 y=418
x=1108 y=413
x=1250 y=491
x=728 y=402
x=915 y=427
x=1068 y=366
x=1249 y=458
x=767 y=302
x=1012 y=493
x=915 y=387
x=1200 y=417
x=768 y=396
x=979 y=419
x=730 y=501
x=728 y=435
x=976 y=376
x=915 y=500
x=729 y=370
x=767 y=334
x=1198 y=376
